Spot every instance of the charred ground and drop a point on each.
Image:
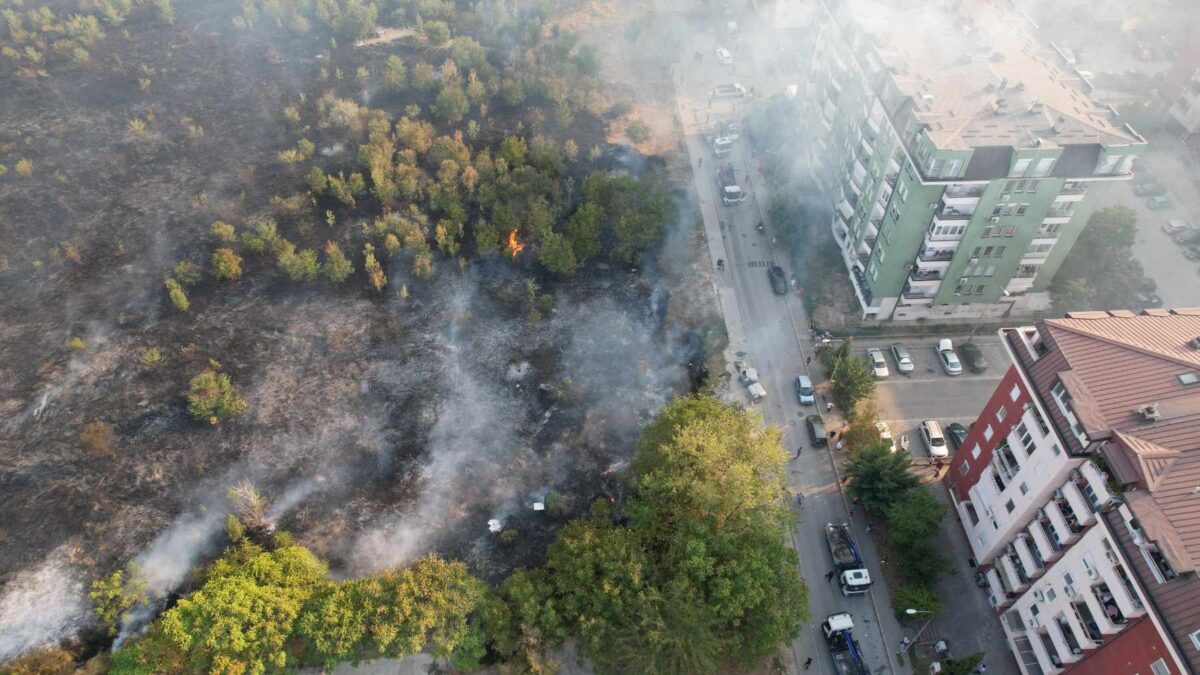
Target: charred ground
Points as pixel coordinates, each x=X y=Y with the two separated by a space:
x=379 y=425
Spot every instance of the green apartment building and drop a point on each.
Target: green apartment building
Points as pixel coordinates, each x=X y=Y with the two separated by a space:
x=964 y=160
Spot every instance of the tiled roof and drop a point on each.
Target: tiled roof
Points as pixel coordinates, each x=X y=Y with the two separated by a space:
x=1112 y=364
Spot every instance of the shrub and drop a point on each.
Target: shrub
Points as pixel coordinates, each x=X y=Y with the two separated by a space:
x=223 y=232
x=186 y=273
x=24 y=168
x=114 y=596
x=508 y=536
x=76 y=344
x=337 y=266
x=911 y=596
x=178 y=296
x=437 y=32
x=302 y=266
x=638 y=132
x=375 y=275
x=226 y=264
x=212 y=398
x=97 y=437
x=151 y=358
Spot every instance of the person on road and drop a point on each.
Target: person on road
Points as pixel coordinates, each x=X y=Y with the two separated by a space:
x=903 y=646
x=830 y=575
x=798 y=451
x=807 y=360
x=838 y=446
x=982 y=668
x=829 y=406
x=807 y=663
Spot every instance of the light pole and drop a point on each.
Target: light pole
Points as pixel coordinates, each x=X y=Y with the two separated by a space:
x=913 y=612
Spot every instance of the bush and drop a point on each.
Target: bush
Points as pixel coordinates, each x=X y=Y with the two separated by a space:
x=226 y=264
x=638 y=132
x=24 y=168
x=223 y=232
x=151 y=358
x=76 y=344
x=437 y=32
x=212 y=398
x=912 y=596
x=375 y=275
x=186 y=273
x=178 y=296
x=300 y=267
x=337 y=266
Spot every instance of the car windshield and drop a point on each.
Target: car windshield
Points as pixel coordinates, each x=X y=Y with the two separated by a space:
x=903 y=358
x=951 y=357
x=937 y=441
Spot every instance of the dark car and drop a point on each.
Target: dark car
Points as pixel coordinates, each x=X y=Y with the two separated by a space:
x=957 y=434
x=1151 y=189
x=1158 y=203
x=1191 y=252
x=816 y=430
x=973 y=357
x=779 y=284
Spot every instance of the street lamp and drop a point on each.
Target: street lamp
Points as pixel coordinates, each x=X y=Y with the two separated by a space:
x=913 y=612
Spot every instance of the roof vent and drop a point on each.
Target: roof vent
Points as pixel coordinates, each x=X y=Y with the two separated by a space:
x=1148 y=413
x=1195 y=343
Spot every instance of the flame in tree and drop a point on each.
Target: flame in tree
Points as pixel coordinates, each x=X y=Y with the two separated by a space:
x=514 y=246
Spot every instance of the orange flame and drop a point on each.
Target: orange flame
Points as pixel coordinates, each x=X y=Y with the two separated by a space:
x=514 y=246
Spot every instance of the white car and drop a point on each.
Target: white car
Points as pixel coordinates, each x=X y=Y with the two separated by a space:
x=949 y=359
x=724 y=56
x=878 y=364
x=935 y=441
x=885 y=434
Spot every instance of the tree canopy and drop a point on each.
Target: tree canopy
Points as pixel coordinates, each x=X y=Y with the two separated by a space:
x=880 y=478
x=1101 y=271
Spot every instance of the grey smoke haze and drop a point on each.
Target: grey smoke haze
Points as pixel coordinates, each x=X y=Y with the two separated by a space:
x=42 y=605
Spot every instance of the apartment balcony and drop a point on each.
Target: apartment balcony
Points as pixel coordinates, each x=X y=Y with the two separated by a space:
x=1074 y=524
x=914 y=296
x=949 y=213
x=1091 y=627
x=1051 y=649
x=1093 y=485
x=1079 y=503
x=1048 y=529
x=1068 y=637
x=865 y=147
x=964 y=191
x=932 y=255
x=1019 y=284
x=1070 y=197
x=1056 y=218
x=1073 y=188
x=939 y=265
x=1018 y=566
x=1108 y=604
x=924 y=282
x=963 y=201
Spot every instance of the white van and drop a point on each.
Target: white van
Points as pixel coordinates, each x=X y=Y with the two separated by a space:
x=722 y=146
x=935 y=441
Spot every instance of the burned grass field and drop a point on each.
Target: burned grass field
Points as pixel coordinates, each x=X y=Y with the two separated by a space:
x=446 y=380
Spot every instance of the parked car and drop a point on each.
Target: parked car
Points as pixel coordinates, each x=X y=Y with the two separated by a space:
x=885 y=435
x=1150 y=189
x=973 y=357
x=904 y=362
x=804 y=390
x=722 y=146
x=877 y=363
x=779 y=284
x=1148 y=300
x=1158 y=203
x=935 y=440
x=957 y=434
x=729 y=91
x=1176 y=225
x=816 y=430
x=948 y=358
x=1192 y=251
x=724 y=56
x=1185 y=237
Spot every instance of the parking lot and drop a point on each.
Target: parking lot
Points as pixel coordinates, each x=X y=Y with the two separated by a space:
x=928 y=393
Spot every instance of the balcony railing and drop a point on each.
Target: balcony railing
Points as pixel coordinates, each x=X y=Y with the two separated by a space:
x=963 y=191
x=925 y=275
x=1108 y=603
x=1068 y=635
x=952 y=214
x=1073 y=189
x=910 y=293
x=933 y=255
x=1051 y=649
x=1068 y=513
x=1048 y=530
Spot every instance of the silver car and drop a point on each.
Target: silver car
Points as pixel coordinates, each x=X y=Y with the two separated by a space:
x=904 y=362
x=949 y=359
x=877 y=363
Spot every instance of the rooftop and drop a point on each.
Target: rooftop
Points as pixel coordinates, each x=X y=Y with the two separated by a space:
x=1114 y=364
x=978 y=79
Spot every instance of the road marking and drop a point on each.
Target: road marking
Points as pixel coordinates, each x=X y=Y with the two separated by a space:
x=760 y=263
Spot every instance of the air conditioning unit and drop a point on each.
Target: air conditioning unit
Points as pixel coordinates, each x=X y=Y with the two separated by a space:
x=1148 y=413
x=1111 y=555
x=964 y=280
x=1092 y=573
x=1039 y=596
x=994 y=219
x=1004 y=198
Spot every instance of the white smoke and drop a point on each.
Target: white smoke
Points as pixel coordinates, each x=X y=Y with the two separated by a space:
x=41 y=606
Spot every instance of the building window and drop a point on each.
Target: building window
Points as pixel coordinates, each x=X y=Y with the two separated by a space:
x=964 y=469
x=902 y=192
x=1024 y=488
x=1010 y=230
x=999 y=251
x=1000 y=413
x=990 y=269
x=1195 y=636
x=1022 y=165
x=1015 y=393
x=1055 y=450
x=975 y=252
x=933 y=168
x=1026 y=438
x=1009 y=506
x=975 y=452
x=1160 y=667
x=952 y=168
x=987 y=433
x=1043 y=167
x=1033 y=185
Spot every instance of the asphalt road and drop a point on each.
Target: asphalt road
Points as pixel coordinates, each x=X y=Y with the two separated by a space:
x=770 y=333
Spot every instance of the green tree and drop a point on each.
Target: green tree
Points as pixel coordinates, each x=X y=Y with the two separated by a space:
x=556 y=254
x=223 y=232
x=211 y=397
x=852 y=382
x=513 y=150
x=916 y=518
x=451 y=104
x=375 y=275
x=238 y=621
x=880 y=478
x=1100 y=272
x=337 y=266
x=300 y=266
x=395 y=75
x=114 y=596
x=922 y=598
x=963 y=666
x=226 y=264
x=583 y=229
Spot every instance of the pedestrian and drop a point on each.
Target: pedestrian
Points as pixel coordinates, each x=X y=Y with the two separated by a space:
x=867 y=529
x=982 y=668
x=829 y=406
x=830 y=575
x=798 y=451
x=832 y=434
x=807 y=663
x=838 y=446
x=903 y=646
x=807 y=360
x=701 y=161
